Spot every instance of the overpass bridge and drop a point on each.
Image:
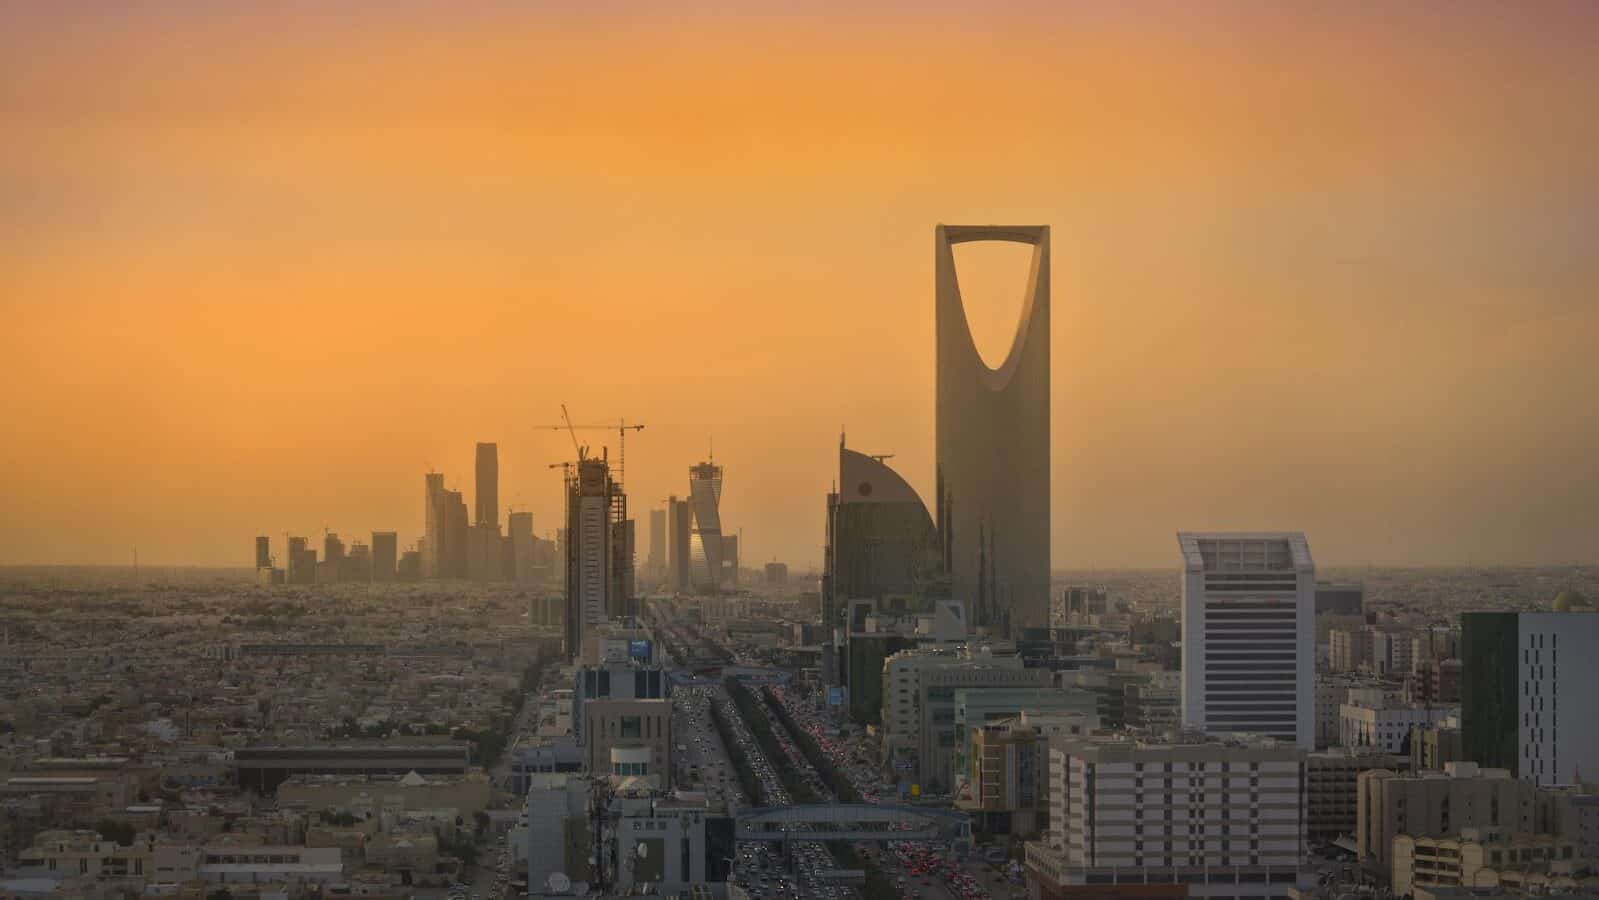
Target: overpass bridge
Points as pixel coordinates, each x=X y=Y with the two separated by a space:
x=879 y=822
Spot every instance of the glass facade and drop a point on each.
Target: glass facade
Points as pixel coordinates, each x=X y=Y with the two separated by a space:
x=1488 y=688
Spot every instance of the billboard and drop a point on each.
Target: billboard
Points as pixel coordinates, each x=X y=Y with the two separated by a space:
x=639 y=650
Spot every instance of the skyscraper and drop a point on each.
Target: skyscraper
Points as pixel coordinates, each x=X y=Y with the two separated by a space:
x=332 y=547
x=1527 y=699
x=1249 y=614
x=596 y=547
x=679 y=528
x=992 y=443
x=452 y=552
x=432 y=523
x=488 y=486
x=705 y=541
x=263 y=552
x=302 y=562
x=385 y=555
x=519 y=525
x=881 y=539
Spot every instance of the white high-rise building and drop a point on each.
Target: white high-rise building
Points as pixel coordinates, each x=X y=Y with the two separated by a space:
x=1249 y=610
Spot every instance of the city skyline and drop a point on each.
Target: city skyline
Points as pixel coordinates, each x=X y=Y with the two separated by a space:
x=1286 y=294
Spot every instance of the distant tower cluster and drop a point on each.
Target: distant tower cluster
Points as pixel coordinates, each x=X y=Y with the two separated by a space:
x=451 y=545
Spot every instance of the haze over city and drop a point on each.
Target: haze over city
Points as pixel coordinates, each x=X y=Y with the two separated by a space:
x=1329 y=269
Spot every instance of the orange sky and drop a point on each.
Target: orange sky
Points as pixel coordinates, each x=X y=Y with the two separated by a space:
x=1324 y=269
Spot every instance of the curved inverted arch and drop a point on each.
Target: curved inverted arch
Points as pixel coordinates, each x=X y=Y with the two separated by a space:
x=993 y=442
x=1035 y=298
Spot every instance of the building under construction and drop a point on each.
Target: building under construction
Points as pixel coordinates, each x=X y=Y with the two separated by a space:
x=599 y=550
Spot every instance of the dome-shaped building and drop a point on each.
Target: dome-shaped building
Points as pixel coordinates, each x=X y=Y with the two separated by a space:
x=1572 y=601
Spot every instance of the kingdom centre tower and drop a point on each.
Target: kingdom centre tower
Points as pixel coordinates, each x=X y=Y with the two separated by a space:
x=992 y=444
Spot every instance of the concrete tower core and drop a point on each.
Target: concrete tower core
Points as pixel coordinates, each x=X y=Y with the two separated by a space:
x=992 y=444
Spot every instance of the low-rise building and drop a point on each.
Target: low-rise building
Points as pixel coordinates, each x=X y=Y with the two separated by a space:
x=1436 y=804
x=468 y=793
x=629 y=726
x=1007 y=778
x=1332 y=790
x=1202 y=819
x=66 y=854
x=1386 y=726
x=1491 y=858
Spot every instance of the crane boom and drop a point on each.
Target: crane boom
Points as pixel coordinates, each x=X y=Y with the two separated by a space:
x=621 y=427
x=572 y=431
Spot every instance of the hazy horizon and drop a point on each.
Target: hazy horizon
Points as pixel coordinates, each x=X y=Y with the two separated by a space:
x=1324 y=269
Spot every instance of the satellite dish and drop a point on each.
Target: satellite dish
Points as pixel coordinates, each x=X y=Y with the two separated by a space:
x=558 y=883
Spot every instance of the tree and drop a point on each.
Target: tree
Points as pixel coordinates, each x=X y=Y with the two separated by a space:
x=220 y=894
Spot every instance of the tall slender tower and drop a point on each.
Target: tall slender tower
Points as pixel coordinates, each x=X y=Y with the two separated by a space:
x=598 y=548
x=488 y=485
x=992 y=444
x=705 y=541
x=432 y=523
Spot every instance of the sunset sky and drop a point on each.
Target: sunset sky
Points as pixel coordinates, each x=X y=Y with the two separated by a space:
x=1331 y=267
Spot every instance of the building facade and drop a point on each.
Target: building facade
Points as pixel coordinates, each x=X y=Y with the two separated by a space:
x=1211 y=819
x=1436 y=804
x=1248 y=627
x=1527 y=698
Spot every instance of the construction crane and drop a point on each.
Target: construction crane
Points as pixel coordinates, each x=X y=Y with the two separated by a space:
x=621 y=427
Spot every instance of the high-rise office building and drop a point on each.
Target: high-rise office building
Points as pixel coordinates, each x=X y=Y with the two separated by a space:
x=385 y=555
x=622 y=572
x=1527 y=701
x=520 y=528
x=488 y=486
x=332 y=548
x=302 y=562
x=992 y=444
x=432 y=523
x=679 y=530
x=705 y=541
x=596 y=546
x=484 y=552
x=656 y=566
x=453 y=552
x=357 y=564
x=1248 y=628
x=263 y=552
x=881 y=541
